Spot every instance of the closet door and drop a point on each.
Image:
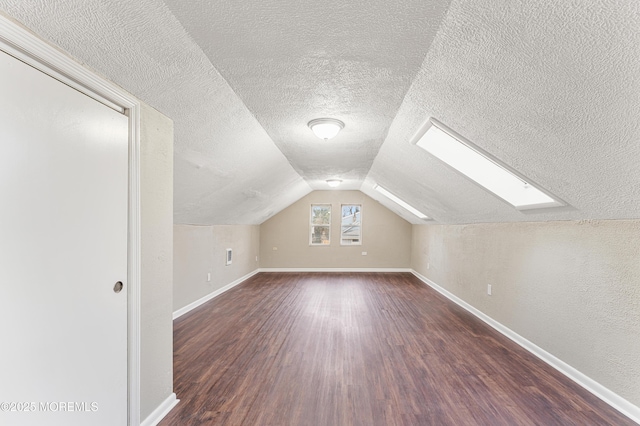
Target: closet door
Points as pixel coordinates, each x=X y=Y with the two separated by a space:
x=63 y=253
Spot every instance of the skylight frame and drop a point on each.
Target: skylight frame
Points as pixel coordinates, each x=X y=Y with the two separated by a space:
x=408 y=207
x=555 y=201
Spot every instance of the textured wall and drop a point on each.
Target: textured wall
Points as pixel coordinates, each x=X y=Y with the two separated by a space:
x=572 y=288
x=386 y=237
x=156 y=187
x=199 y=250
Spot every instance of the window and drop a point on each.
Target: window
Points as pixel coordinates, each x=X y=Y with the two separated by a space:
x=320 y=224
x=351 y=225
x=480 y=167
x=400 y=202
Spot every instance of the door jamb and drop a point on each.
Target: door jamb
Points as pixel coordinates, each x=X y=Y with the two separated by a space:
x=29 y=48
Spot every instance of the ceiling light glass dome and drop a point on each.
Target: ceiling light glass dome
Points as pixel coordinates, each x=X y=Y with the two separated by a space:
x=326 y=128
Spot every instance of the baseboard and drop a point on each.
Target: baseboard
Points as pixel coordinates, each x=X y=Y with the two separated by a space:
x=335 y=269
x=605 y=394
x=163 y=409
x=213 y=294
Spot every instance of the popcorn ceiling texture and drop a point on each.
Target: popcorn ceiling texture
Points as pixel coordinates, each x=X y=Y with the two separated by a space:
x=227 y=170
x=550 y=88
x=293 y=61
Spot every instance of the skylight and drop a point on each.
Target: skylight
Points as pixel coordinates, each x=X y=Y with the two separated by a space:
x=398 y=201
x=485 y=171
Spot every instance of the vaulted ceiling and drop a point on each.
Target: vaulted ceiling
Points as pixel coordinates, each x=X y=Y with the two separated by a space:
x=551 y=89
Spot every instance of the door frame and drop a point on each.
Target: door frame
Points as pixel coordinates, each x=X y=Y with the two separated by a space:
x=21 y=43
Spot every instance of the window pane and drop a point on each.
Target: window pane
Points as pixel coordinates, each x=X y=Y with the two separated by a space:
x=483 y=170
x=351 y=224
x=350 y=215
x=350 y=235
x=321 y=214
x=320 y=225
x=319 y=235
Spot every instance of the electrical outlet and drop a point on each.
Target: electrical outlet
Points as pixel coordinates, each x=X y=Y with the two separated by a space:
x=428 y=265
x=256 y=258
x=208 y=277
x=489 y=289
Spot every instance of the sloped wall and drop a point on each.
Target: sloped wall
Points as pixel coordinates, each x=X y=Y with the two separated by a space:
x=571 y=288
x=386 y=237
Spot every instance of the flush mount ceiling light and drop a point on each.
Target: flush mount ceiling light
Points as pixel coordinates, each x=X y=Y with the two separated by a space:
x=334 y=182
x=326 y=128
x=479 y=166
x=400 y=202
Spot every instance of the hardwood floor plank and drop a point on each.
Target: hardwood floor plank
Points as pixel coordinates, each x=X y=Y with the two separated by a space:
x=360 y=349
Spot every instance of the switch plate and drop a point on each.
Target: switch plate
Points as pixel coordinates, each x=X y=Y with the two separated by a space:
x=208 y=276
x=489 y=289
x=364 y=253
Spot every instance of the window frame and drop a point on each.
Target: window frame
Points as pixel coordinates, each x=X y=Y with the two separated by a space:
x=359 y=243
x=555 y=203
x=312 y=225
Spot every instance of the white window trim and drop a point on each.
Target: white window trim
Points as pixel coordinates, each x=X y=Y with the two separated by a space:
x=361 y=222
x=311 y=225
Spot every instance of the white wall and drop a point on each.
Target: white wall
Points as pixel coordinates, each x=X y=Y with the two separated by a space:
x=199 y=250
x=572 y=288
x=156 y=203
x=386 y=237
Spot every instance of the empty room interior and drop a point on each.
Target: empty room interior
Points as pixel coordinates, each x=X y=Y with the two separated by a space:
x=414 y=212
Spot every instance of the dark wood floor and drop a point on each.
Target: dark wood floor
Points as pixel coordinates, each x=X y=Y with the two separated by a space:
x=360 y=349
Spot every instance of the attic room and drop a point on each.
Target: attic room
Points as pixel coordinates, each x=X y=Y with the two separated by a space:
x=462 y=249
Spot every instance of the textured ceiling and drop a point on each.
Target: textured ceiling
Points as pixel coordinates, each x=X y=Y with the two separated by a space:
x=293 y=61
x=550 y=88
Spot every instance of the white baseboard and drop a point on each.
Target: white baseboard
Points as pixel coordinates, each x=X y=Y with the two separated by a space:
x=335 y=269
x=605 y=394
x=213 y=294
x=163 y=409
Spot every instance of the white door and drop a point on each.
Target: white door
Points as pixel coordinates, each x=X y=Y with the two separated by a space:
x=63 y=248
